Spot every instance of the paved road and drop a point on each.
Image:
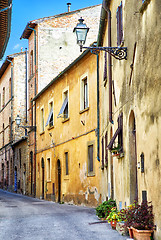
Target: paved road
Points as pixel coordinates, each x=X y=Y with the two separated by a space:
x=28 y=218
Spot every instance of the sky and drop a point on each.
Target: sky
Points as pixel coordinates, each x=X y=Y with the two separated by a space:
x=24 y=11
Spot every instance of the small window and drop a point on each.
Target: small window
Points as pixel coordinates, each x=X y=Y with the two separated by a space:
x=90 y=159
x=9 y=135
x=42 y=120
x=51 y=120
x=48 y=169
x=66 y=113
x=0 y=102
x=85 y=93
x=31 y=63
x=3 y=97
x=3 y=134
x=66 y=163
x=10 y=88
x=119 y=25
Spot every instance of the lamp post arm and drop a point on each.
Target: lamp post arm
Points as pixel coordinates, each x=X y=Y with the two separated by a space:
x=119 y=53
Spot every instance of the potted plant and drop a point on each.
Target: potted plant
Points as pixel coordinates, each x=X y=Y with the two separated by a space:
x=112 y=217
x=103 y=210
x=120 y=225
x=142 y=220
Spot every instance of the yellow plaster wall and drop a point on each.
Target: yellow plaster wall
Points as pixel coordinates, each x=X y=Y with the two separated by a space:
x=71 y=136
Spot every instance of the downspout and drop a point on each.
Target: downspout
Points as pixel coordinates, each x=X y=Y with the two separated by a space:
x=11 y=98
x=98 y=114
x=105 y=7
x=26 y=86
x=34 y=113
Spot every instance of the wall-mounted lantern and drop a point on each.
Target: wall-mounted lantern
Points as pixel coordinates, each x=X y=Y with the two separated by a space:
x=81 y=31
x=18 y=122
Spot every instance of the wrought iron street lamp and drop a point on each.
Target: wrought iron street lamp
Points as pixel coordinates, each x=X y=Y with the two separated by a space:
x=81 y=31
x=18 y=122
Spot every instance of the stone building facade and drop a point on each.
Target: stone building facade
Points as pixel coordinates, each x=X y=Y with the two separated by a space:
x=133 y=125
x=12 y=102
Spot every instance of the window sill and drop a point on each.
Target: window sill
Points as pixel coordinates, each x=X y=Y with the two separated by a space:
x=144 y=5
x=42 y=133
x=65 y=120
x=84 y=110
x=49 y=128
x=48 y=181
x=91 y=175
x=66 y=177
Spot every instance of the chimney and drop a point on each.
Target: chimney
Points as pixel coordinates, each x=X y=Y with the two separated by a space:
x=69 y=4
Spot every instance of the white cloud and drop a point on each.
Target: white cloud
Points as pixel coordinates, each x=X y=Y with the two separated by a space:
x=16 y=46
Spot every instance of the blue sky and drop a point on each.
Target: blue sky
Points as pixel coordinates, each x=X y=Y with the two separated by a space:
x=24 y=11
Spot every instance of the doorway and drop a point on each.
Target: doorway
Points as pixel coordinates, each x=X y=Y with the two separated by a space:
x=31 y=170
x=59 y=180
x=133 y=159
x=43 y=176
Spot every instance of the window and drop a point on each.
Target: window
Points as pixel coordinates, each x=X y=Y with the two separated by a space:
x=119 y=25
x=66 y=163
x=50 y=120
x=84 y=94
x=90 y=159
x=10 y=88
x=48 y=169
x=42 y=120
x=3 y=97
x=0 y=102
x=102 y=152
x=31 y=63
x=64 y=111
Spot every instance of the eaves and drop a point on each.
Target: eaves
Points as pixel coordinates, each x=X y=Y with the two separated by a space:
x=103 y=22
x=27 y=31
x=5 y=25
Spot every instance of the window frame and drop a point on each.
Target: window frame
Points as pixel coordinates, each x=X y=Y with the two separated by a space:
x=42 y=120
x=90 y=172
x=48 y=169
x=84 y=92
x=66 y=163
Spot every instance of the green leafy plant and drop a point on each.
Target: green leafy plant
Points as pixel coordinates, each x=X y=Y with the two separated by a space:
x=103 y=210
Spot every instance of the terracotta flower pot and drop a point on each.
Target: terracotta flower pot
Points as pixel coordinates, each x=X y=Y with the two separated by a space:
x=113 y=224
x=141 y=234
x=130 y=232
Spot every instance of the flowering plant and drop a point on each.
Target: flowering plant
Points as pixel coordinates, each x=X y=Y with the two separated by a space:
x=140 y=216
x=112 y=215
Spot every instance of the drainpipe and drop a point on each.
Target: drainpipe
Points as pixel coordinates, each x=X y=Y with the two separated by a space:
x=98 y=114
x=34 y=113
x=26 y=85
x=104 y=5
x=11 y=98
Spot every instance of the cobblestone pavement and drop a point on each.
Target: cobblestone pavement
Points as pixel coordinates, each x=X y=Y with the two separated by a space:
x=26 y=218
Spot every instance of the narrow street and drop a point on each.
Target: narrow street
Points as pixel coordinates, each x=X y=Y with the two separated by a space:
x=28 y=218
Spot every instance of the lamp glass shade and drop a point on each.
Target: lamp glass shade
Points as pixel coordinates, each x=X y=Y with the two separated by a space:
x=18 y=120
x=81 y=31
